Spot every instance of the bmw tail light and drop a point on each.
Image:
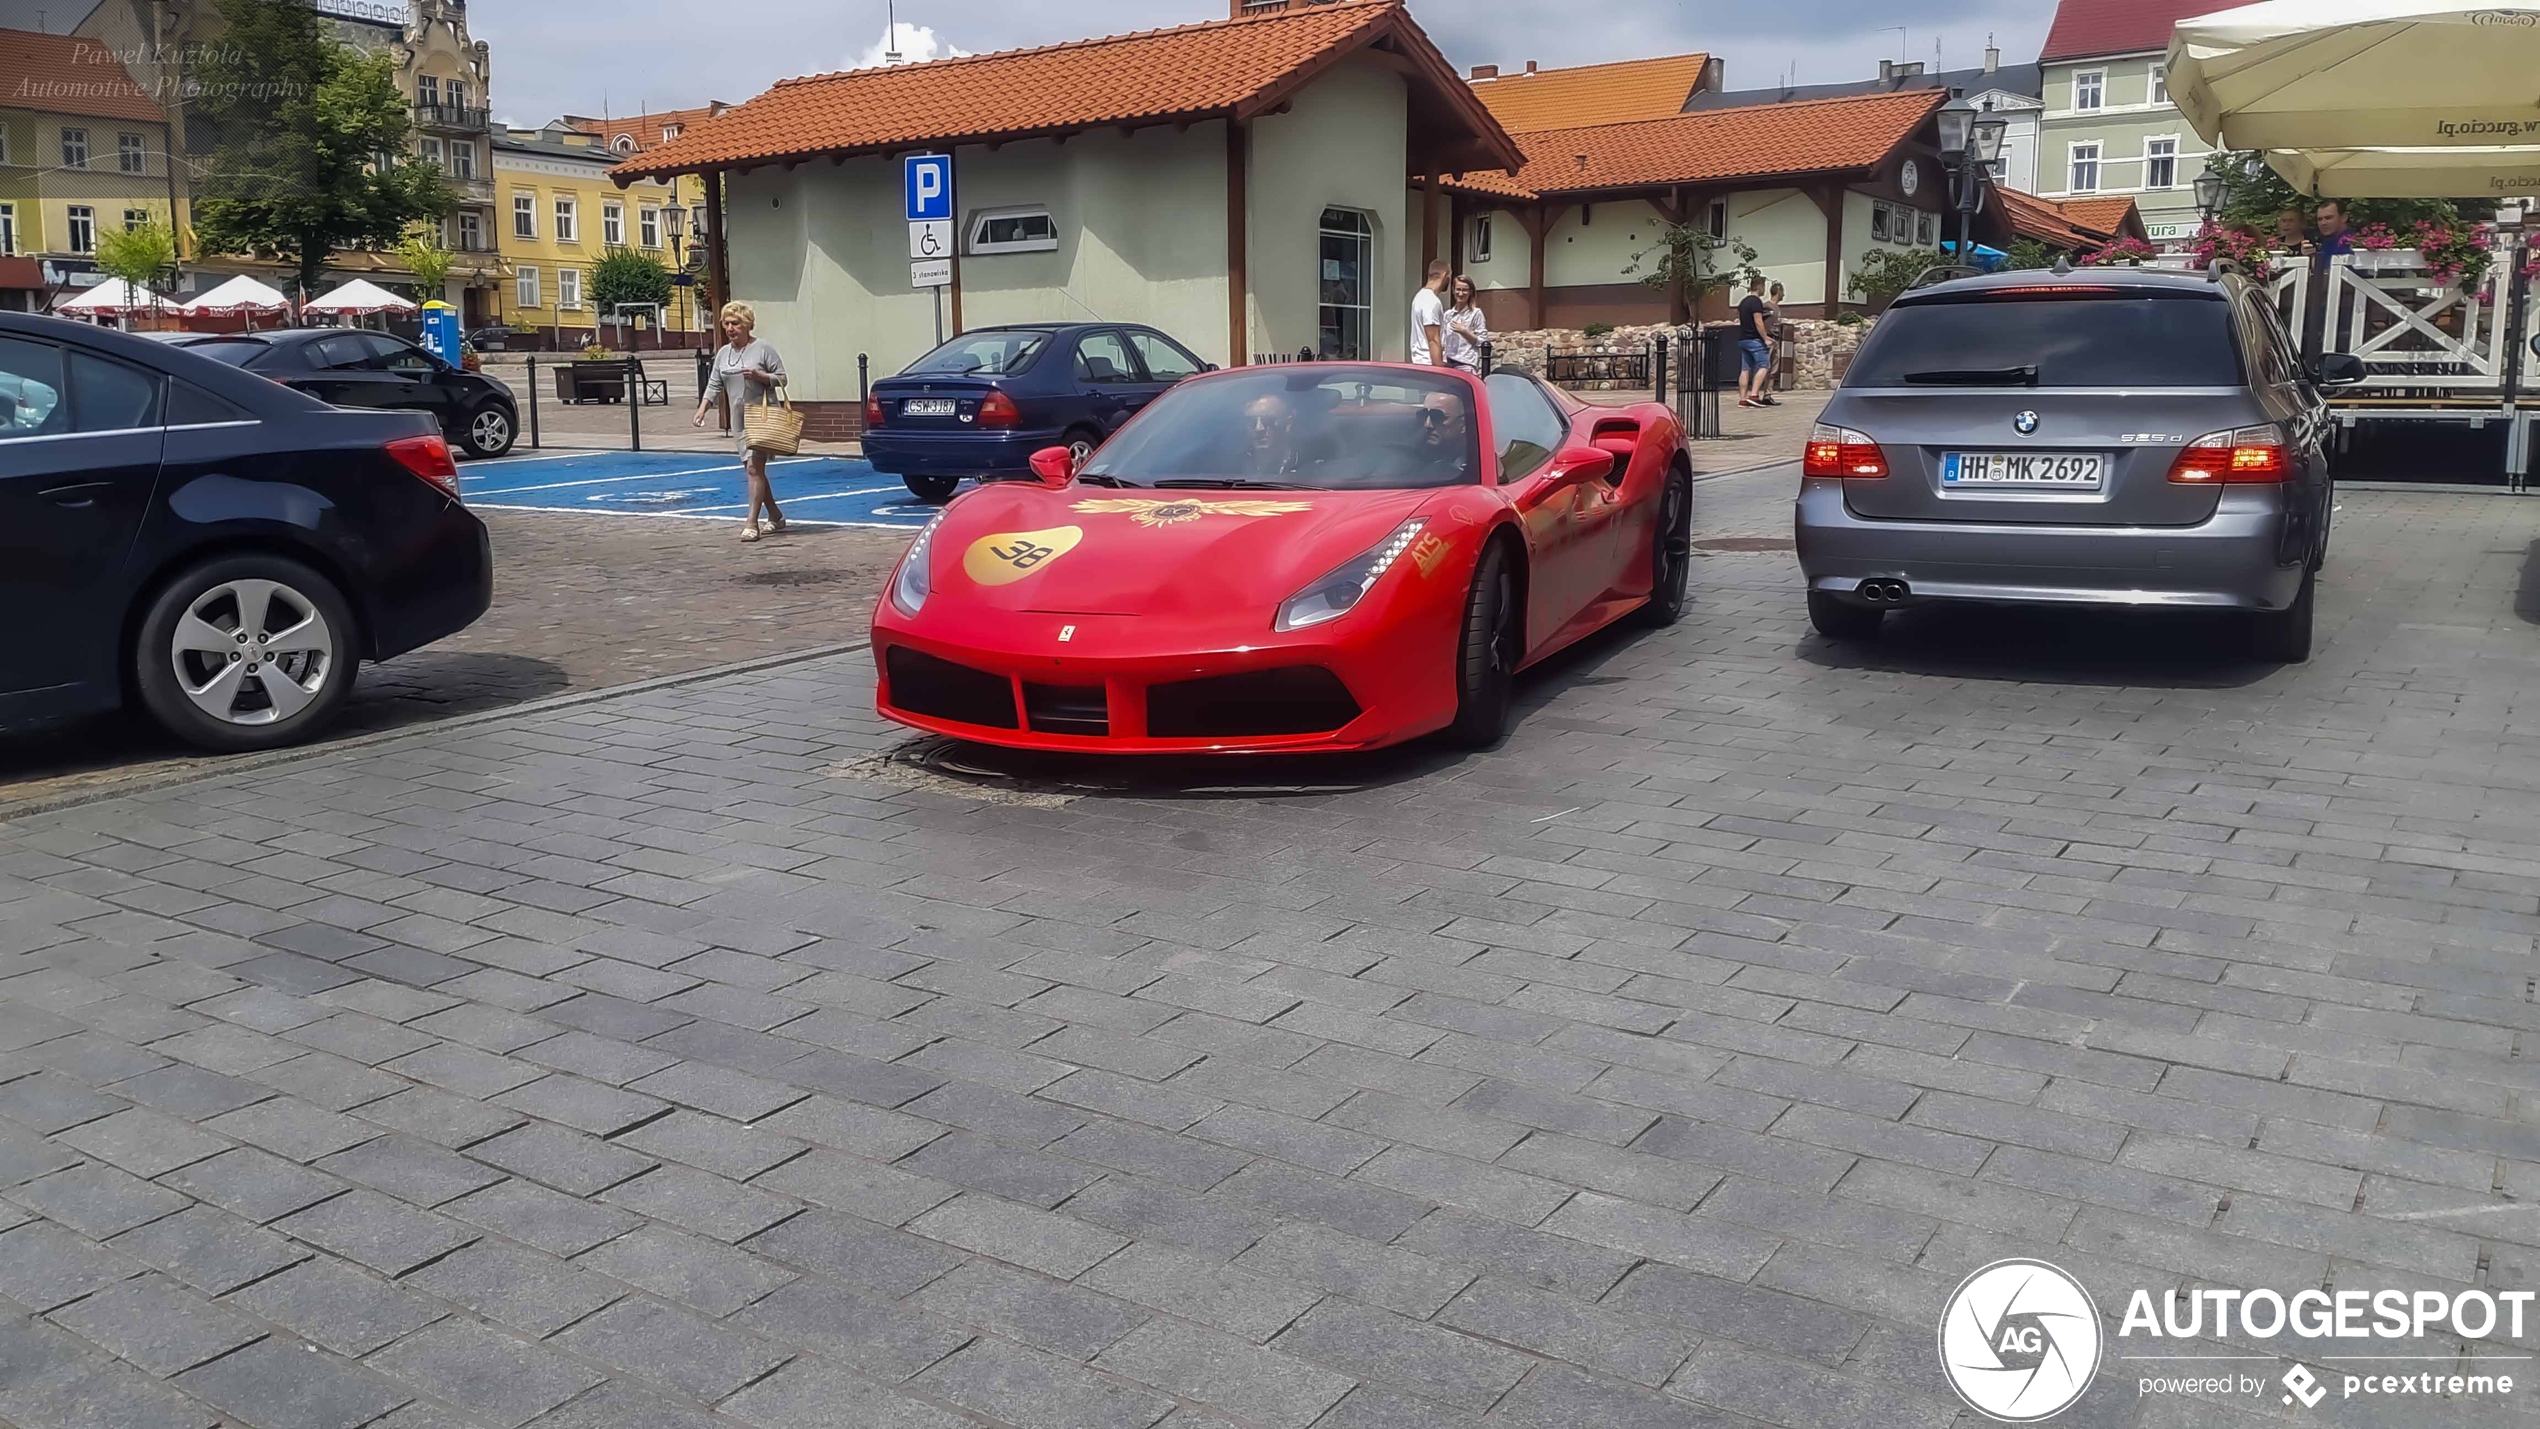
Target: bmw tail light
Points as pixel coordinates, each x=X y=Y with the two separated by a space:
x=2244 y=455
x=998 y=410
x=1841 y=451
x=428 y=458
x=872 y=413
x=1338 y=592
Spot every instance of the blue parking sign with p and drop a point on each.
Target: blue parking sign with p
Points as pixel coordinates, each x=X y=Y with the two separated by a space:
x=929 y=187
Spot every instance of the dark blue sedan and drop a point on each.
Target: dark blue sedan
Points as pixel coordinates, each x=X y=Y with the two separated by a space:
x=981 y=404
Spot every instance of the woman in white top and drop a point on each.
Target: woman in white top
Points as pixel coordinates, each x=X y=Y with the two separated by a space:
x=746 y=370
x=1466 y=328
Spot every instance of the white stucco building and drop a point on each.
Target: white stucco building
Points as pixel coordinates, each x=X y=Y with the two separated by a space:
x=1244 y=184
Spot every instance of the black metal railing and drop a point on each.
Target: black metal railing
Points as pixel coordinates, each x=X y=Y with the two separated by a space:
x=450 y=116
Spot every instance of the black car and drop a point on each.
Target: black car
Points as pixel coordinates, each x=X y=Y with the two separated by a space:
x=219 y=549
x=354 y=367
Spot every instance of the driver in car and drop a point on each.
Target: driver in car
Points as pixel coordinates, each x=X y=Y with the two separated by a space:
x=1443 y=425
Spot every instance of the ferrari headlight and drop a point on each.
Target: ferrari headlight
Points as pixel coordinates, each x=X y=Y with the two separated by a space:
x=1339 y=592
x=913 y=583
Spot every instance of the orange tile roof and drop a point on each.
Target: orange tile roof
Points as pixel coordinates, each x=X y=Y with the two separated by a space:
x=2100 y=215
x=1239 y=67
x=1717 y=145
x=645 y=128
x=1617 y=93
x=2034 y=217
x=70 y=74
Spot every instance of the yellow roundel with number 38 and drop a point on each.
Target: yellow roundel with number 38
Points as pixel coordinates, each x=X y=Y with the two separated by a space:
x=1008 y=556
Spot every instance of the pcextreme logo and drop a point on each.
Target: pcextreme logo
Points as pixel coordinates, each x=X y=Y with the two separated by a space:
x=2019 y=1341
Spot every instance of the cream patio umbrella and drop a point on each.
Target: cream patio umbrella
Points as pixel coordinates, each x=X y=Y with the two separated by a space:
x=359 y=298
x=2322 y=75
x=2499 y=172
x=241 y=294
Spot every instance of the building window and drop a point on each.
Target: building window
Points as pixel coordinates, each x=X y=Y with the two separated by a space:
x=525 y=286
x=1348 y=286
x=648 y=226
x=458 y=95
x=132 y=153
x=471 y=233
x=623 y=143
x=568 y=287
x=524 y=215
x=2085 y=175
x=8 y=229
x=135 y=219
x=613 y=224
x=83 y=228
x=432 y=152
x=2160 y=163
x=462 y=159
x=2160 y=84
x=4 y=144
x=568 y=214
x=669 y=132
x=1477 y=246
x=1715 y=218
x=1878 y=223
x=1927 y=230
x=2090 y=89
x=427 y=91
x=74 y=148
x=1013 y=230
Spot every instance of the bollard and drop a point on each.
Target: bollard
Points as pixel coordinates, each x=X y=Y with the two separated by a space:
x=1486 y=359
x=1658 y=368
x=635 y=404
x=533 y=401
x=863 y=377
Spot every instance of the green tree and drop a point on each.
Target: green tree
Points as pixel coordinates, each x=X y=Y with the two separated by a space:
x=1882 y=273
x=145 y=256
x=2255 y=194
x=311 y=134
x=2025 y=254
x=424 y=257
x=1692 y=252
x=624 y=275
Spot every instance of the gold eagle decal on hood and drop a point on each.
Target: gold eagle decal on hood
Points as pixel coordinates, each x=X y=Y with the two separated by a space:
x=1147 y=511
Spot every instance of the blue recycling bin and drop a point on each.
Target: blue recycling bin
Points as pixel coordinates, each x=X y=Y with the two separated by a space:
x=441 y=331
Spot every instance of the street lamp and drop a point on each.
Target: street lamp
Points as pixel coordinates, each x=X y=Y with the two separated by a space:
x=674 y=222
x=2211 y=189
x=1970 y=139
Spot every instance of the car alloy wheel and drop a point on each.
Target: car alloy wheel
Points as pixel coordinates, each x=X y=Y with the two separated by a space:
x=1671 y=553
x=1492 y=644
x=489 y=432
x=252 y=652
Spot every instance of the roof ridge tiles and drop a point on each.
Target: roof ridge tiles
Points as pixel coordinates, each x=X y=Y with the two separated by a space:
x=1091 y=42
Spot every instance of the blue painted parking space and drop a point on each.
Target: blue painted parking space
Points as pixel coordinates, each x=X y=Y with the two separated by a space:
x=698 y=486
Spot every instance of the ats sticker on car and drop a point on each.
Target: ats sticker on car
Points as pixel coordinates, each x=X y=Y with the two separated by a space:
x=1149 y=512
x=1429 y=554
x=1004 y=557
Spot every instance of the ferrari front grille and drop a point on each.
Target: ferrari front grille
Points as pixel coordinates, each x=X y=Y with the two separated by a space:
x=924 y=685
x=1301 y=699
x=1067 y=709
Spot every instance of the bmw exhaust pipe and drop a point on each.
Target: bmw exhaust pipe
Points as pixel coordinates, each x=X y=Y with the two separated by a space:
x=1883 y=592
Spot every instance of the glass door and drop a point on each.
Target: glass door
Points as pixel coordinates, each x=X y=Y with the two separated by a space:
x=1348 y=286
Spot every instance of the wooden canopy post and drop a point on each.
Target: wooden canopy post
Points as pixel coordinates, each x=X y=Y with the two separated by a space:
x=1428 y=219
x=1538 y=229
x=1830 y=203
x=1238 y=338
x=718 y=261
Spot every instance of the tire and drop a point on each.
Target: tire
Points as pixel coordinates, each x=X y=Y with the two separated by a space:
x=1671 y=553
x=189 y=645
x=1837 y=619
x=1081 y=442
x=1490 y=643
x=2284 y=636
x=933 y=490
x=491 y=430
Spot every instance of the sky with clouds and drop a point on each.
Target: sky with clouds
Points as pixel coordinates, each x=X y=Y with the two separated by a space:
x=558 y=56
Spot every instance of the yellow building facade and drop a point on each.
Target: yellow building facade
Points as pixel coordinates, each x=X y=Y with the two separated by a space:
x=556 y=212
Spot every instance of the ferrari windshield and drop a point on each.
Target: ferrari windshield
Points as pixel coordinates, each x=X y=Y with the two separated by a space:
x=1311 y=425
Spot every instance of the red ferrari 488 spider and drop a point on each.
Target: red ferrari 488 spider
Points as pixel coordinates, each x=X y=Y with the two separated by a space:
x=1317 y=556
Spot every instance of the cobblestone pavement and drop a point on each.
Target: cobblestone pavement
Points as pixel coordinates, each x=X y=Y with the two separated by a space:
x=674 y=1060
x=580 y=603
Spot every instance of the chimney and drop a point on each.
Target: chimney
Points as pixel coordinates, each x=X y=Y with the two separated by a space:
x=1992 y=58
x=1887 y=71
x=1485 y=71
x=1530 y=66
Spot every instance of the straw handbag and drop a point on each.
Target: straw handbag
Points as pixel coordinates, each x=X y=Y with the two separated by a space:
x=773 y=426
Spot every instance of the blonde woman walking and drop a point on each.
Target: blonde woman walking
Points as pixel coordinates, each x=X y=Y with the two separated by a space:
x=746 y=370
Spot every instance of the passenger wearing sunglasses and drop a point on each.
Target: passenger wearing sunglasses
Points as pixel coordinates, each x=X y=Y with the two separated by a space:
x=1442 y=435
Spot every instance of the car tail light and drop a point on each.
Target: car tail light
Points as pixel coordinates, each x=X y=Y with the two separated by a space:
x=2243 y=455
x=429 y=458
x=872 y=413
x=1841 y=451
x=998 y=410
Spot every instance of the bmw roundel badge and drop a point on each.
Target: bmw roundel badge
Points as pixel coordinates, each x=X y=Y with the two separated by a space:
x=2025 y=423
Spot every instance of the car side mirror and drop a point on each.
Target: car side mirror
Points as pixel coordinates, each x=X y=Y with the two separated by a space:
x=1583 y=464
x=2339 y=369
x=1055 y=466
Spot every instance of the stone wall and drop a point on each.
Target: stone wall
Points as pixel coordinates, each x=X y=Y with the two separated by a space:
x=1810 y=352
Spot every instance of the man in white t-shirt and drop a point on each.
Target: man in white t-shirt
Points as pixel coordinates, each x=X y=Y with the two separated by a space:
x=1428 y=318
